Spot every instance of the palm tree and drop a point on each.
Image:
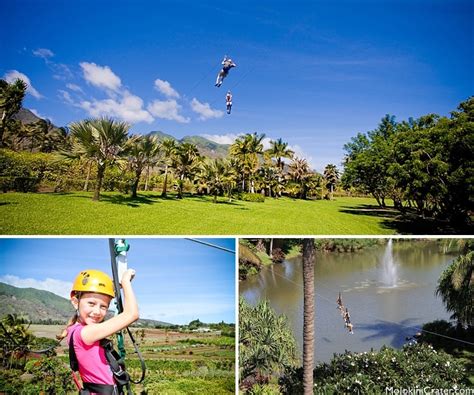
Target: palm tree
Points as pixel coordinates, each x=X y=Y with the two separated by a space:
x=300 y=173
x=142 y=152
x=100 y=139
x=331 y=175
x=11 y=97
x=186 y=164
x=456 y=288
x=308 y=320
x=280 y=150
x=213 y=173
x=169 y=149
x=266 y=345
x=247 y=149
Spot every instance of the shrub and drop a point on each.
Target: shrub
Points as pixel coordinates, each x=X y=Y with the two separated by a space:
x=414 y=366
x=252 y=197
x=278 y=256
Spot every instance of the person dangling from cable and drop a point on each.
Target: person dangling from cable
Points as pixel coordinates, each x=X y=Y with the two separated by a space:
x=228 y=101
x=347 y=321
x=339 y=303
x=227 y=64
x=101 y=369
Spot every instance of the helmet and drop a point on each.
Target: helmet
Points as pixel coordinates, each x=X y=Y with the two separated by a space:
x=93 y=281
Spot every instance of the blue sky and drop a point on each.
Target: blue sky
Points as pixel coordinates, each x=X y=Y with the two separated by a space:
x=177 y=280
x=311 y=72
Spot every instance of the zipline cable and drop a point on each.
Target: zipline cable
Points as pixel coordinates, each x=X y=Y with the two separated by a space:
x=392 y=322
x=210 y=245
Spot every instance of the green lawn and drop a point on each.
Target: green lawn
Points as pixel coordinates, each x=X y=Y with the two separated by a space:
x=149 y=214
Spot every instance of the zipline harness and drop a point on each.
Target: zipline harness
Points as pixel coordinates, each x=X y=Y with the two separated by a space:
x=116 y=360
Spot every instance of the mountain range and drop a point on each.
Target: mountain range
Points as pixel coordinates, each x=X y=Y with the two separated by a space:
x=206 y=147
x=40 y=306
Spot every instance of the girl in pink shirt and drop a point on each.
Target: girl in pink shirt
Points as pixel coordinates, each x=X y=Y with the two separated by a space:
x=91 y=295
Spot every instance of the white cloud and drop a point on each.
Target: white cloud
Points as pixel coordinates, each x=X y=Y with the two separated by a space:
x=75 y=88
x=299 y=153
x=43 y=53
x=168 y=109
x=101 y=77
x=129 y=108
x=12 y=75
x=222 y=138
x=66 y=96
x=204 y=110
x=62 y=71
x=36 y=112
x=58 y=287
x=165 y=88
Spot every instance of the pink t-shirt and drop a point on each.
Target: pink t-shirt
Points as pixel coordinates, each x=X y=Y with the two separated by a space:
x=93 y=366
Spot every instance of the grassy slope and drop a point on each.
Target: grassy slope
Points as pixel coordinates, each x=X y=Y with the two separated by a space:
x=75 y=213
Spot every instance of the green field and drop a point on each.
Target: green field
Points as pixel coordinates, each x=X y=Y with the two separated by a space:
x=149 y=214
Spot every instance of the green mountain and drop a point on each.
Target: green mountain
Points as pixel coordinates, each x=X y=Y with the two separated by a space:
x=43 y=306
x=206 y=147
x=33 y=304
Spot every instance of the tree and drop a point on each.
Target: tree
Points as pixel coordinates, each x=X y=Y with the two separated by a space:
x=246 y=149
x=267 y=346
x=308 y=324
x=11 y=98
x=214 y=173
x=280 y=150
x=142 y=152
x=300 y=173
x=100 y=139
x=456 y=288
x=186 y=164
x=331 y=175
x=169 y=149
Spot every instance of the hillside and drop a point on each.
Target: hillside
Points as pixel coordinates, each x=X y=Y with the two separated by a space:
x=34 y=304
x=43 y=306
x=206 y=147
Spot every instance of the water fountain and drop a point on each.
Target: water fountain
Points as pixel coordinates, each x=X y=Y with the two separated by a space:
x=389 y=267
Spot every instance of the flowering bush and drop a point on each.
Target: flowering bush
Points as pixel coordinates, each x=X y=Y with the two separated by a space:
x=414 y=366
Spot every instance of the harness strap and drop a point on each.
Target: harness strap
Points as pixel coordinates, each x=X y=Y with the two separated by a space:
x=117 y=366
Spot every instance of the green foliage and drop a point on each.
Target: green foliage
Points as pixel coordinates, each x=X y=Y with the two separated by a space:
x=267 y=345
x=50 y=375
x=25 y=171
x=425 y=163
x=456 y=287
x=264 y=389
x=414 y=366
x=346 y=245
x=441 y=335
x=252 y=197
x=249 y=262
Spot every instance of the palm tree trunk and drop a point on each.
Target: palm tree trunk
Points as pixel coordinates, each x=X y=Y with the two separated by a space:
x=100 y=177
x=86 y=183
x=135 y=184
x=165 y=182
x=147 y=176
x=308 y=323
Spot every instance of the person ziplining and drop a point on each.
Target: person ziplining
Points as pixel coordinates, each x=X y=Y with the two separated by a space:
x=228 y=101
x=227 y=64
x=345 y=314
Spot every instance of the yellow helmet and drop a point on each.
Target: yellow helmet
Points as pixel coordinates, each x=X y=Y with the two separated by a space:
x=93 y=281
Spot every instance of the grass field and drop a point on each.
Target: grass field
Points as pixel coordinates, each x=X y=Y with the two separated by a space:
x=177 y=363
x=149 y=214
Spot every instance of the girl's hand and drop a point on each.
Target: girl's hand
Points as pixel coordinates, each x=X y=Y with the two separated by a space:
x=128 y=275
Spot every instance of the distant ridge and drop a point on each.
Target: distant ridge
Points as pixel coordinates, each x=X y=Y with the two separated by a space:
x=206 y=147
x=37 y=306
